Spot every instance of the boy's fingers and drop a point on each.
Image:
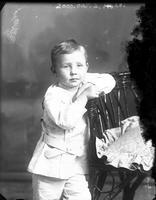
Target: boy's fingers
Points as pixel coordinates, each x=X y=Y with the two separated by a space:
x=83 y=88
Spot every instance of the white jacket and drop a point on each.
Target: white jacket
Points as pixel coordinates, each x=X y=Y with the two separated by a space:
x=65 y=131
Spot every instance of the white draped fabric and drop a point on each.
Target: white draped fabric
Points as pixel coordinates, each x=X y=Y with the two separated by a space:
x=125 y=146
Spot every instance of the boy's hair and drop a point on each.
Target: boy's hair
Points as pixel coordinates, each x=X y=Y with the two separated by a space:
x=65 y=47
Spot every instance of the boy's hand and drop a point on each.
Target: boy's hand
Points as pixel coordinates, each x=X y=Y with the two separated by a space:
x=89 y=90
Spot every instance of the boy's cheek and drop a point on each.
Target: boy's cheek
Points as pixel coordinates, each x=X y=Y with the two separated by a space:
x=84 y=76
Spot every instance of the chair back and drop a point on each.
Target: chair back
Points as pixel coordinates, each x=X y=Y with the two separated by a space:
x=108 y=110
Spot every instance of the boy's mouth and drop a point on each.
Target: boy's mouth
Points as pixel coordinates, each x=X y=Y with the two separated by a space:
x=74 y=79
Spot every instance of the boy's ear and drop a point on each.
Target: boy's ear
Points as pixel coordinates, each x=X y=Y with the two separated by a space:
x=87 y=64
x=53 y=69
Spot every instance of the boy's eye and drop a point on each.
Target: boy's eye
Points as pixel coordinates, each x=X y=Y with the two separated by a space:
x=65 y=66
x=79 y=65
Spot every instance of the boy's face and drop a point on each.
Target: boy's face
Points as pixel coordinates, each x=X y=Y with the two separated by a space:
x=71 y=69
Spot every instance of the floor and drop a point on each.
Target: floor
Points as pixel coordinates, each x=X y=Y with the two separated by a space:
x=22 y=190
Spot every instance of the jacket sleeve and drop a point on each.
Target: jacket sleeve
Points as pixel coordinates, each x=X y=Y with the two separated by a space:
x=62 y=111
x=104 y=82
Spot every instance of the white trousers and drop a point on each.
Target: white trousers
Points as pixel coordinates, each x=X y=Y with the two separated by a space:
x=47 y=188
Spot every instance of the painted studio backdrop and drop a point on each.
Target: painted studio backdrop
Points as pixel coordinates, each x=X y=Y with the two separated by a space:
x=29 y=31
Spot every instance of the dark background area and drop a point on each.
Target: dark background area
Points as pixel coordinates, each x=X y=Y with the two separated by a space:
x=28 y=32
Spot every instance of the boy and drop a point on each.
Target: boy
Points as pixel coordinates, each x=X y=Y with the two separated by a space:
x=59 y=163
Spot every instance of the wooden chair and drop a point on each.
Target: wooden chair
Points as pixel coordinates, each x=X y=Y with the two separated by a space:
x=107 y=112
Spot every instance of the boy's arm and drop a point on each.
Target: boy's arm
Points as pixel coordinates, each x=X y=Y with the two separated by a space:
x=65 y=113
x=62 y=112
x=104 y=82
x=95 y=83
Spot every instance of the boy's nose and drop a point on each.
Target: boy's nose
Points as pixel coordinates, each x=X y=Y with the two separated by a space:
x=73 y=70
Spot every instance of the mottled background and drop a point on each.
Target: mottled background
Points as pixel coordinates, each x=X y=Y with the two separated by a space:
x=28 y=33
